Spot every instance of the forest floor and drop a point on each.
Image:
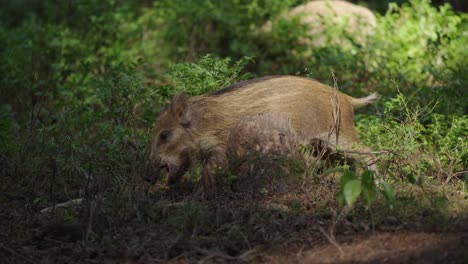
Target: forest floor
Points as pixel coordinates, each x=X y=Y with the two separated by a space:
x=403 y=246
x=275 y=230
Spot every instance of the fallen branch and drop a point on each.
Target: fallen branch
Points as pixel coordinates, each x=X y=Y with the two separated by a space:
x=365 y=153
x=70 y=203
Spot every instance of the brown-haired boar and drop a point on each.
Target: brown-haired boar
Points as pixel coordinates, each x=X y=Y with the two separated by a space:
x=195 y=130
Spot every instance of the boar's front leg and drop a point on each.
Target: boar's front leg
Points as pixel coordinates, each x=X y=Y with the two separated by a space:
x=210 y=176
x=214 y=162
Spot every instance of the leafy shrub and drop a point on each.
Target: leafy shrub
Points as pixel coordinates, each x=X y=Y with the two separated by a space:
x=82 y=82
x=445 y=136
x=206 y=75
x=93 y=142
x=195 y=28
x=416 y=151
x=74 y=102
x=418 y=35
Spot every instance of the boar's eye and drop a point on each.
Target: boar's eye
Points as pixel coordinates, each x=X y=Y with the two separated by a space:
x=164 y=136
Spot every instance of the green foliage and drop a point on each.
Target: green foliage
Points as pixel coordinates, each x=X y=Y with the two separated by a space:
x=415 y=149
x=352 y=188
x=448 y=135
x=81 y=140
x=368 y=188
x=423 y=53
x=82 y=82
x=388 y=191
x=73 y=99
x=418 y=35
x=195 y=28
x=206 y=75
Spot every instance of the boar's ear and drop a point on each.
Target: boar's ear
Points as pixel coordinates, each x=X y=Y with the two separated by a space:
x=179 y=106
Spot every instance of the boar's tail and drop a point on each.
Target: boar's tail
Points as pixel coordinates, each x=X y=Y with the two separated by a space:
x=360 y=102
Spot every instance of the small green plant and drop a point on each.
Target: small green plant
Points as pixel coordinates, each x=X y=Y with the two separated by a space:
x=206 y=75
x=352 y=188
x=416 y=150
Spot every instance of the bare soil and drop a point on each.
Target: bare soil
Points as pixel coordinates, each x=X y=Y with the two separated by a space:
x=397 y=247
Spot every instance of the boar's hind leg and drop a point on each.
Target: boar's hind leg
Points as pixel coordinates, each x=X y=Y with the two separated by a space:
x=365 y=156
x=345 y=153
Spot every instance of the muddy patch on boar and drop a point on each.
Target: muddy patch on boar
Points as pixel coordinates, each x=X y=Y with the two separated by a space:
x=197 y=130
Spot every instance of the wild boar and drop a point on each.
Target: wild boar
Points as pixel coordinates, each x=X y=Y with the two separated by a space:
x=196 y=130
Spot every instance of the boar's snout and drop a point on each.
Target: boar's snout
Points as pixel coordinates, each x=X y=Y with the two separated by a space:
x=152 y=172
x=172 y=180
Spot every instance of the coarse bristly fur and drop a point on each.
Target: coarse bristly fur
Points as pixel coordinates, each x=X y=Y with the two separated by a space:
x=195 y=130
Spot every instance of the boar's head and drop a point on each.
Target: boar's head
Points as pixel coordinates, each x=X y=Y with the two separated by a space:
x=172 y=142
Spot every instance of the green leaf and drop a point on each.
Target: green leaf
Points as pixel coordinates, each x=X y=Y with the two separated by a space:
x=351 y=191
x=369 y=197
x=341 y=198
x=388 y=191
x=347 y=176
x=368 y=188
x=368 y=179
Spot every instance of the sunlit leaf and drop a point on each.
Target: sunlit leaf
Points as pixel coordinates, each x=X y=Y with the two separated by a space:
x=351 y=191
x=368 y=188
x=388 y=191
